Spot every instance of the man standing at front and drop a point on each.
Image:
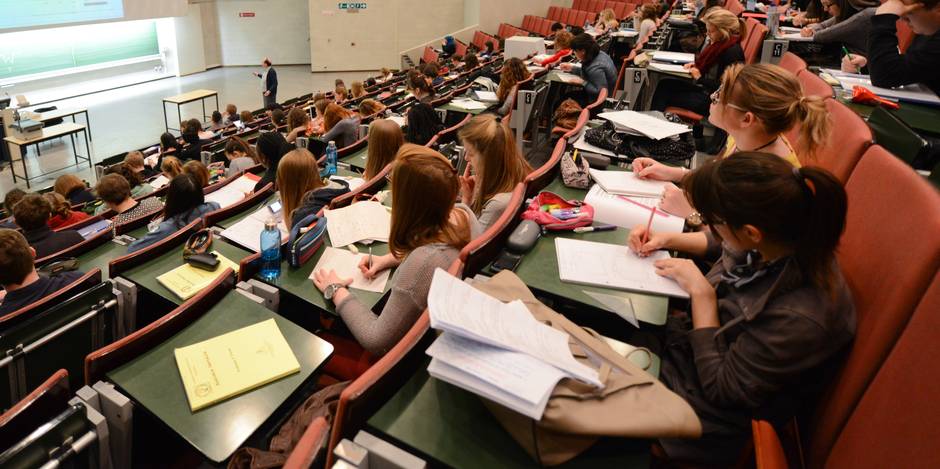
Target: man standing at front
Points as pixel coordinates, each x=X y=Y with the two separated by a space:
x=268 y=78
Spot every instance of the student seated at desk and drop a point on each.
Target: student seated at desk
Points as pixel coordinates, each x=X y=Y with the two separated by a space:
x=340 y=125
x=32 y=215
x=417 y=84
x=769 y=318
x=432 y=73
x=920 y=63
x=9 y=201
x=303 y=192
x=606 y=21
x=115 y=192
x=139 y=189
x=449 y=46
x=184 y=204
x=270 y=147
x=240 y=156
x=340 y=94
x=428 y=231
x=136 y=162
x=850 y=24
x=319 y=107
x=22 y=285
x=514 y=71
x=216 y=123
x=371 y=108
x=812 y=11
x=198 y=171
x=192 y=142
x=62 y=213
x=755 y=105
x=423 y=124
x=171 y=167
x=231 y=114
x=384 y=75
x=169 y=145
x=553 y=31
x=357 y=90
x=72 y=188
x=385 y=139
x=496 y=164
x=298 y=124
x=246 y=117
x=488 y=50
x=644 y=19
x=725 y=34
x=596 y=69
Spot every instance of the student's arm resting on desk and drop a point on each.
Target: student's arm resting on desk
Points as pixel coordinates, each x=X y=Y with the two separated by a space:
x=888 y=67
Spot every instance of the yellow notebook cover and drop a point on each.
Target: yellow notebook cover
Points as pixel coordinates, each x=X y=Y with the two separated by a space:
x=216 y=369
x=186 y=280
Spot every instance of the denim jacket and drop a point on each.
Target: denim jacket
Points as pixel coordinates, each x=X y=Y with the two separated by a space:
x=168 y=227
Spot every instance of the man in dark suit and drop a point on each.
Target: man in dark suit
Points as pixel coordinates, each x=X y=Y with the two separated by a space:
x=268 y=78
x=32 y=215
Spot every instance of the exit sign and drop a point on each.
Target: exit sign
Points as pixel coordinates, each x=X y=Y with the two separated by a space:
x=352 y=6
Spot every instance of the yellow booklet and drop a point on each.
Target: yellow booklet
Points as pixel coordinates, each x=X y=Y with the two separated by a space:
x=216 y=369
x=186 y=280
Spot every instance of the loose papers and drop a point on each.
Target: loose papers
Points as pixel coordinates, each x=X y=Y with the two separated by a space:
x=358 y=222
x=644 y=124
x=346 y=265
x=612 y=266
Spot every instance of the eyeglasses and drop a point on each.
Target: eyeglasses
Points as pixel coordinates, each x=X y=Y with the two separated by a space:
x=715 y=100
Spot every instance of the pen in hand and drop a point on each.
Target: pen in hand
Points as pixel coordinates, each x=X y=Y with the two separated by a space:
x=370 y=257
x=847 y=54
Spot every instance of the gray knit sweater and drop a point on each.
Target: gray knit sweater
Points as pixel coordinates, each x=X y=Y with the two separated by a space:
x=407 y=300
x=853 y=32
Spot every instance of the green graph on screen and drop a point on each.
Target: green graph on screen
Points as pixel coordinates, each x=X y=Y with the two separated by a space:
x=48 y=50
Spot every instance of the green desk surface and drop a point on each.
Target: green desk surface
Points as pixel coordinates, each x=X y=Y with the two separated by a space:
x=152 y=380
x=357 y=160
x=228 y=222
x=101 y=255
x=919 y=117
x=146 y=275
x=297 y=281
x=539 y=268
x=452 y=427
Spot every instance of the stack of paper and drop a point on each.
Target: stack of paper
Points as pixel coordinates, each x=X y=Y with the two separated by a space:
x=358 y=222
x=630 y=211
x=468 y=104
x=627 y=183
x=612 y=266
x=346 y=265
x=398 y=120
x=673 y=57
x=234 y=192
x=247 y=232
x=159 y=181
x=186 y=280
x=795 y=37
x=644 y=124
x=915 y=93
x=497 y=350
x=669 y=68
x=214 y=370
x=569 y=78
x=486 y=96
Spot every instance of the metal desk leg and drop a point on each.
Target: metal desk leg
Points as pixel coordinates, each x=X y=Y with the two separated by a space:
x=88 y=124
x=25 y=171
x=87 y=148
x=165 y=121
x=74 y=150
x=179 y=116
x=217 y=108
x=203 y=101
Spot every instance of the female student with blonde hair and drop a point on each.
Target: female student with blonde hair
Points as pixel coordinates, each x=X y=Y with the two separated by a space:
x=755 y=104
x=562 y=48
x=357 y=89
x=370 y=107
x=171 y=167
x=606 y=21
x=514 y=71
x=773 y=312
x=496 y=164
x=428 y=231
x=385 y=139
x=303 y=192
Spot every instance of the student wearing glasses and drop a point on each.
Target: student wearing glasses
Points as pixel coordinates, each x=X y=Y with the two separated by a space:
x=773 y=312
x=850 y=24
x=755 y=105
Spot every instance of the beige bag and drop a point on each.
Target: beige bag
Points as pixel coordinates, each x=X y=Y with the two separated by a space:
x=632 y=404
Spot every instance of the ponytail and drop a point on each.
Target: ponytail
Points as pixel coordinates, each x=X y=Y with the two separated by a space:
x=742 y=30
x=811 y=113
x=800 y=209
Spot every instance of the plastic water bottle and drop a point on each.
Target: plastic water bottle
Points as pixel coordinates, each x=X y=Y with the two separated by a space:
x=773 y=20
x=330 y=169
x=270 y=251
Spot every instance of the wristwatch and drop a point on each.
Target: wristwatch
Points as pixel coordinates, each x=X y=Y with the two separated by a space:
x=694 y=221
x=331 y=290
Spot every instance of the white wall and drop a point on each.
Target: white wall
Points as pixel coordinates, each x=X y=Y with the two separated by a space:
x=190 y=49
x=210 y=34
x=372 y=38
x=279 y=30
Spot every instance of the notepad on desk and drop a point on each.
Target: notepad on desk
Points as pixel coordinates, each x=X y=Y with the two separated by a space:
x=346 y=265
x=468 y=104
x=486 y=96
x=669 y=68
x=358 y=222
x=231 y=364
x=673 y=57
x=233 y=192
x=247 y=231
x=159 y=181
x=569 y=78
x=630 y=211
x=627 y=183
x=185 y=281
x=612 y=266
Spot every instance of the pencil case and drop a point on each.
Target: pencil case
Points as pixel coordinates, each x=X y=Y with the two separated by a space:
x=540 y=211
x=305 y=238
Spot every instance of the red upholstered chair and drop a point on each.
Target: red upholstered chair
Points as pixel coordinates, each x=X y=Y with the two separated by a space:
x=449 y=134
x=753 y=42
x=813 y=85
x=889 y=254
x=482 y=250
x=541 y=177
x=768 y=452
x=894 y=425
x=792 y=62
x=307 y=451
x=735 y=7
x=849 y=138
x=555 y=14
x=461 y=48
x=366 y=190
x=126 y=262
x=37 y=408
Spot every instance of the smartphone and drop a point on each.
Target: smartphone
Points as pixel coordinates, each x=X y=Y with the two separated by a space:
x=461 y=160
x=275 y=207
x=505 y=261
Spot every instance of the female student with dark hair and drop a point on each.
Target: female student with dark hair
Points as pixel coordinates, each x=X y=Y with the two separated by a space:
x=303 y=192
x=385 y=138
x=169 y=144
x=423 y=124
x=428 y=231
x=184 y=204
x=62 y=213
x=514 y=71
x=496 y=164
x=298 y=124
x=240 y=156
x=755 y=105
x=725 y=34
x=850 y=24
x=270 y=147
x=340 y=125
x=418 y=85
x=773 y=311
x=73 y=188
x=597 y=70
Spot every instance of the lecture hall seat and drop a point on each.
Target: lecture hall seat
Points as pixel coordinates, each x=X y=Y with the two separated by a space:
x=173 y=242
x=256 y=197
x=366 y=190
x=483 y=249
x=37 y=408
x=542 y=176
x=813 y=85
x=888 y=261
x=86 y=281
x=308 y=451
x=849 y=138
x=792 y=62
